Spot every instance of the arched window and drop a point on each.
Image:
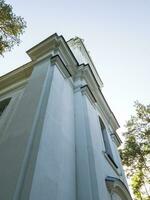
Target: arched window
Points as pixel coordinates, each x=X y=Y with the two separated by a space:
x=115 y=196
x=117 y=189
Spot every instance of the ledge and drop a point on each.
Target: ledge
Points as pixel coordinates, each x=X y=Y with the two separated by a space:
x=86 y=90
x=61 y=65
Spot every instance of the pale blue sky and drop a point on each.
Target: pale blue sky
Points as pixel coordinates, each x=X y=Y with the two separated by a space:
x=116 y=32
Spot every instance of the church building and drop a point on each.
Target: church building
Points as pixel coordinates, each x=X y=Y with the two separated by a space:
x=58 y=137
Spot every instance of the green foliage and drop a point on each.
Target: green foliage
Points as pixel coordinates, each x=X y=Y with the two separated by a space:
x=137 y=182
x=135 y=154
x=11 y=27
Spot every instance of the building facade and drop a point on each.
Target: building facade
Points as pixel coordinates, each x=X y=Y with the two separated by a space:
x=58 y=137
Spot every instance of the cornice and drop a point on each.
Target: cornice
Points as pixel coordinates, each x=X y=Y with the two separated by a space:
x=86 y=73
x=19 y=75
x=16 y=76
x=89 y=76
x=68 y=50
x=56 y=48
x=78 y=42
x=75 y=42
x=61 y=65
x=86 y=90
x=66 y=56
x=43 y=47
x=53 y=45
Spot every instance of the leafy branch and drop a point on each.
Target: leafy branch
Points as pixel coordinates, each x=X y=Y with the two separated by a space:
x=135 y=154
x=11 y=27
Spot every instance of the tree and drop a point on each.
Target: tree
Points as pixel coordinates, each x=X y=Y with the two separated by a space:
x=11 y=27
x=135 y=154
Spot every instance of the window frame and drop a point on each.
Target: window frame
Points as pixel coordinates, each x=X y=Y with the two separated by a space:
x=106 y=141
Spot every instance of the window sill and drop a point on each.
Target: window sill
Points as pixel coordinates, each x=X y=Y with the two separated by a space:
x=112 y=163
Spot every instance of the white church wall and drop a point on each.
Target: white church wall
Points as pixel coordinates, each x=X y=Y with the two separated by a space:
x=54 y=176
x=103 y=167
x=7 y=116
x=16 y=149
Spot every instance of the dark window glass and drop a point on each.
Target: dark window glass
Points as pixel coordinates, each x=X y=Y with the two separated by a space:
x=106 y=142
x=3 y=105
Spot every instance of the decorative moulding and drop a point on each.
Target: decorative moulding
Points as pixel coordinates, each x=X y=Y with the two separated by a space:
x=117 y=186
x=86 y=73
x=86 y=90
x=61 y=66
x=16 y=77
x=78 y=43
x=43 y=47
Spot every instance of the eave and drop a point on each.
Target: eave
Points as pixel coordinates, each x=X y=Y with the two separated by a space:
x=16 y=76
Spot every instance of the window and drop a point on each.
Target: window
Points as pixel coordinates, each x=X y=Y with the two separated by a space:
x=107 y=142
x=117 y=188
x=3 y=105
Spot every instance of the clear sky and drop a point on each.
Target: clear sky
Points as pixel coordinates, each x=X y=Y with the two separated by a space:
x=116 y=32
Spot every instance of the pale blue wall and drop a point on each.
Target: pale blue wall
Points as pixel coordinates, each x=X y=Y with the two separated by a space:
x=54 y=176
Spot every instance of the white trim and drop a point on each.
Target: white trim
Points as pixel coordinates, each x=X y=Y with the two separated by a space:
x=86 y=91
x=115 y=185
x=61 y=66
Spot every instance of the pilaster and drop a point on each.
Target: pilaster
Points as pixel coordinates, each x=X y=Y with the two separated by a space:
x=85 y=165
